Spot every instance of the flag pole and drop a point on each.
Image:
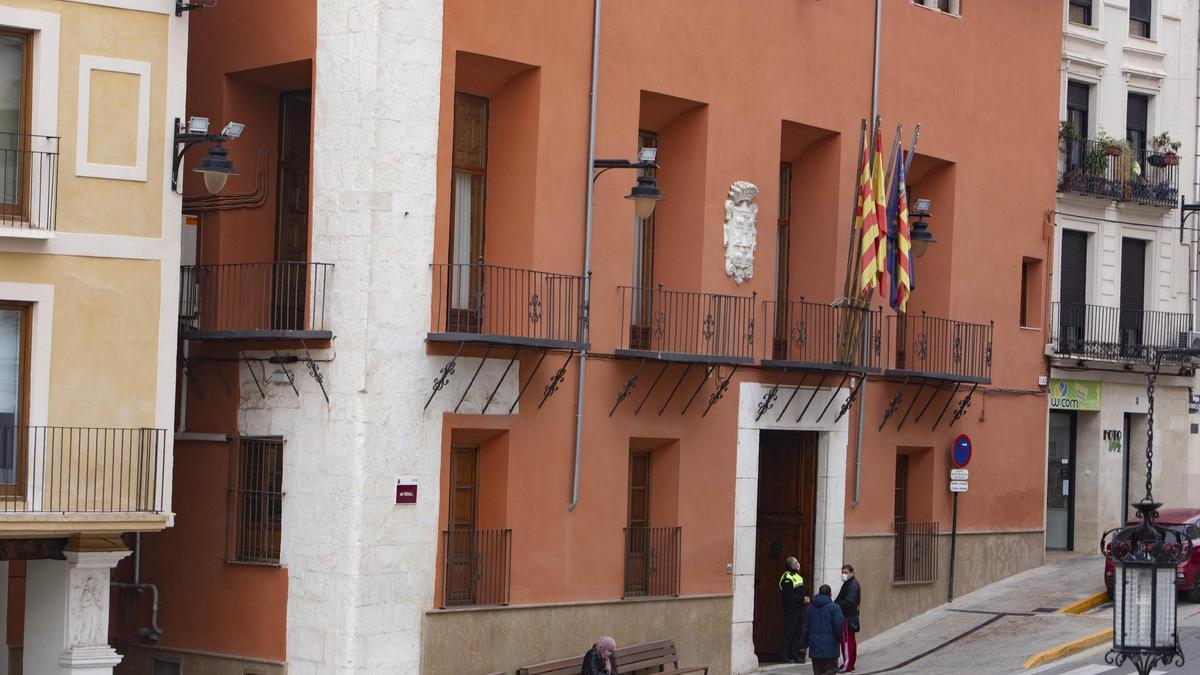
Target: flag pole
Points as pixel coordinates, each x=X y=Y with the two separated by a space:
x=848 y=289
x=891 y=163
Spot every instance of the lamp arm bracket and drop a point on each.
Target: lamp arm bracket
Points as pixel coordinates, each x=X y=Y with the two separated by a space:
x=185 y=141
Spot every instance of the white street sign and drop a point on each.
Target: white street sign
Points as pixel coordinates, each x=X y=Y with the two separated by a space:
x=958 y=474
x=958 y=486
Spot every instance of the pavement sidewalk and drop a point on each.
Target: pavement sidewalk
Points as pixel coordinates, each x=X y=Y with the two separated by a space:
x=992 y=630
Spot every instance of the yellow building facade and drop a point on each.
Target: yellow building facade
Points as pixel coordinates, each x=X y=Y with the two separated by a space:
x=90 y=91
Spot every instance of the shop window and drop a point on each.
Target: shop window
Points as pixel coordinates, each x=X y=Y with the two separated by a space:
x=255 y=500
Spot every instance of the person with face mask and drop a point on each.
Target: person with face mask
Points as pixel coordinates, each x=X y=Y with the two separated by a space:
x=791 y=592
x=598 y=660
x=848 y=598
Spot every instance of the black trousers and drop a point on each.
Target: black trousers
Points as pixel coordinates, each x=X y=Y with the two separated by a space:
x=790 y=647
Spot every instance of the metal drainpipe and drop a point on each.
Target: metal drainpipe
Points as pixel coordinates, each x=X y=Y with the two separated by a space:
x=862 y=401
x=153 y=632
x=1193 y=264
x=587 y=258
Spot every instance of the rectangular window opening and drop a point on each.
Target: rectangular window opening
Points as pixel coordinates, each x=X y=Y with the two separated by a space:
x=15 y=150
x=783 y=259
x=1031 y=293
x=255 y=500
x=1140 y=14
x=1080 y=12
x=467 y=198
x=15 y=334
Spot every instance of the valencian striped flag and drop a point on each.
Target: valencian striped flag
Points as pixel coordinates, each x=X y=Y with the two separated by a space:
x=899 y=255
x=872 y=206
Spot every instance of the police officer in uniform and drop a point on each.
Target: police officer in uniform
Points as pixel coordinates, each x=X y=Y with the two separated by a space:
x=792 y=592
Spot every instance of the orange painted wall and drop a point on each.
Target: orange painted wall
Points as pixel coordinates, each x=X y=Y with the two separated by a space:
x=241 y=56
x=989 y=166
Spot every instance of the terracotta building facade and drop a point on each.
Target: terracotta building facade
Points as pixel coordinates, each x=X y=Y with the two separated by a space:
x=428 y=423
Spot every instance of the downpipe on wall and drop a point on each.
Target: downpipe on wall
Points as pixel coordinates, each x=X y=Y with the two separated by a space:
x=587 y=259
x=151 y=632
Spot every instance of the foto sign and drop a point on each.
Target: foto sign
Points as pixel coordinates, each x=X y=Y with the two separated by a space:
x=958 y=486
x=406 y=490
x=960 y=452
x=958 y=474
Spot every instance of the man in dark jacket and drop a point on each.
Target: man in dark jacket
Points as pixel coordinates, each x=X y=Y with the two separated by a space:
x=823 y=626
x=848 y=598
x=792 y=593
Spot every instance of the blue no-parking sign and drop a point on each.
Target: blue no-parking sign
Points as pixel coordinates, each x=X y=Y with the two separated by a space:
x=960 y=454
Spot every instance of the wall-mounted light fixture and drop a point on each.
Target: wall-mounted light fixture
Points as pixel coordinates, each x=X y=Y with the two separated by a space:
x=216 y=167
x=181 y=6
x=645 y=193
x=920 y=237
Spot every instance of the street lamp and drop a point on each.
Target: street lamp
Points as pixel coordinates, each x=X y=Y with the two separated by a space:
x=920 y=237
x=216 y=167
x=1145 y=557
x=645 y=193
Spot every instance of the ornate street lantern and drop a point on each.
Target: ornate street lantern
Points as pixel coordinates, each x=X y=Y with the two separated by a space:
x=1145 y=557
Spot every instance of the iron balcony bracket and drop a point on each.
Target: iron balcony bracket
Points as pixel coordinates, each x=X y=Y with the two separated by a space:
x=768 y=399
x=556 y=379
x=893 y=405
x=820 y=384
x=629 y=386
x=674 y=389
x=720 y=391
x=279 y=360
x=937 y=390
x=444 y=374
x=862 y=377
x=314 y=371
x=911 y=402
x=833 y=394
x=652 y=386
x=250 y=367
x=486 y=353
x=708 y=371
x=964 y=404
x=191 y=376
x=528 y=380
x=516 y=354
x=799 y=386
x=953 y=393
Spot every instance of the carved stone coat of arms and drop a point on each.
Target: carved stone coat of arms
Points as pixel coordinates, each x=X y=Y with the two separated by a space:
x=741 y=234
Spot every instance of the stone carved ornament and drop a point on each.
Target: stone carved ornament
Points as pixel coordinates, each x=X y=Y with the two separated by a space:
x=89 y=610
x=741 y=234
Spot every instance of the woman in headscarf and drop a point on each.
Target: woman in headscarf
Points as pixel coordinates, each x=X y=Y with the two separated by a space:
x=598 y=660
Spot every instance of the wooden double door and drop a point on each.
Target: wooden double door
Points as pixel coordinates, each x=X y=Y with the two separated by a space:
x=786 y=525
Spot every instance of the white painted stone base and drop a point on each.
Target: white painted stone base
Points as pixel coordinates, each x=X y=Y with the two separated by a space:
x=832 y=442
x=66 y=615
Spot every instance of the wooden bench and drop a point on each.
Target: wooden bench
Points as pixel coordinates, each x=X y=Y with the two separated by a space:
x=659 y=654
x=568 y=666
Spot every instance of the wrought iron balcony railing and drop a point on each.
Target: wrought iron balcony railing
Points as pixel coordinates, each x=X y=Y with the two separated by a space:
x=1137 y=175
x=822 y=337
x=28 y=181
x=477 y=567
x=1113 y=333
x=915 y=553
x=254 y=301
x=652 y=556
x=686 y=326
x=928 y=346
x=82 y=470
x=507 y=305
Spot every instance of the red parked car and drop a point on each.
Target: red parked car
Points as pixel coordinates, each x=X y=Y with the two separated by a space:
x=1187 y=576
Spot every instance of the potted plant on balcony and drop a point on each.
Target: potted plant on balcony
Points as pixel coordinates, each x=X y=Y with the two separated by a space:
x=1112 y=147
x=1164 y=147
x=1067 y=134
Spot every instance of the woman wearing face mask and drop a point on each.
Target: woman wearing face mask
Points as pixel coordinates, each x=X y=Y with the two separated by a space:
x=848 y=598
x=598 y=660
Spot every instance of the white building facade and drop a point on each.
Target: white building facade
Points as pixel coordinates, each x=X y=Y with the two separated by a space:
x=1122 y=286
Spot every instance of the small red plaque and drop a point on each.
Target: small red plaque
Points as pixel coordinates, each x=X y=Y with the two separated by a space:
x=406 y=493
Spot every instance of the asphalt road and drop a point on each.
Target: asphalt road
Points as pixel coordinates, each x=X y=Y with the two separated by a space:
x=1091 y=662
